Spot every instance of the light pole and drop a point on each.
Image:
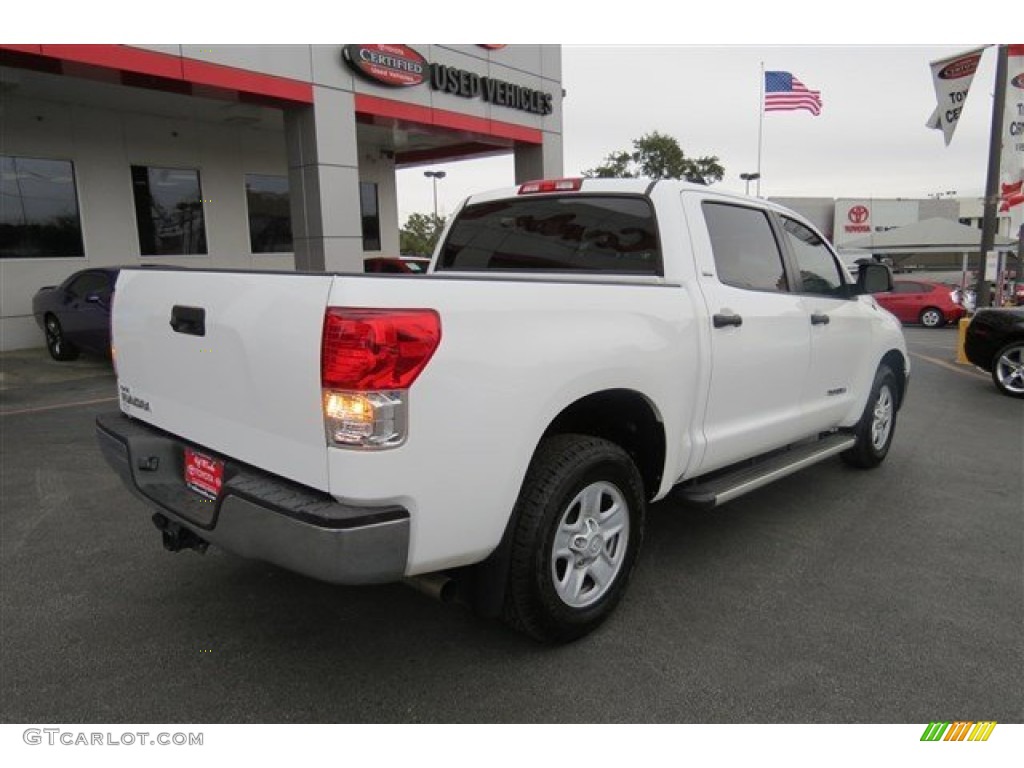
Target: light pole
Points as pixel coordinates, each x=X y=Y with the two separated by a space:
x=435 y=175
x=749 y=177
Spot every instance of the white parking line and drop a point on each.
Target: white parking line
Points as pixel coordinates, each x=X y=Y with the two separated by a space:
x=970 y=370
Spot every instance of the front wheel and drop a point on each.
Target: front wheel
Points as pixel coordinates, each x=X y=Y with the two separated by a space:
x=1008 y=369
x=877 y=425
x=580 y=521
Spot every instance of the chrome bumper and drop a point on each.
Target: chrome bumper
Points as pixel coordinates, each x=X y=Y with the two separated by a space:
x=257 y=514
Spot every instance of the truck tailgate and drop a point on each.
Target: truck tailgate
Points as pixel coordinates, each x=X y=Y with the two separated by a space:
x=241 y=373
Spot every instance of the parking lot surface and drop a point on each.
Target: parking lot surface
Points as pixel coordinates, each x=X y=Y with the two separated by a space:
x=835 y=595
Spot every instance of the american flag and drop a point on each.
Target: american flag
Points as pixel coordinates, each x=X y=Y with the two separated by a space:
x=783 y=92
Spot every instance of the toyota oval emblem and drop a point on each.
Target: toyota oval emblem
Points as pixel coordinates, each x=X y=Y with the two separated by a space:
x=964 y=67
x=1018 y=81
x=858 y=214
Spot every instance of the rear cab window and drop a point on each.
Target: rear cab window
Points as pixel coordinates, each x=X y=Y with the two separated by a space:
x=578 y=233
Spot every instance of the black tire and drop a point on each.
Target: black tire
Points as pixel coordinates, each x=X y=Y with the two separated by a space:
x=932 y=317
x=877 y=425
x=1008 y=369
x=548 y=594
x=56 y=344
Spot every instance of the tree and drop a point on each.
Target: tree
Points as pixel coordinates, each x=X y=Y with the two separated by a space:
x=420 y=233
x=658 y=156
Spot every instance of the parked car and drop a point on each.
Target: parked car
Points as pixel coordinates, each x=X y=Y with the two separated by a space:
x=995 y=343
x=920 y=301
x=75 y=315
x=397 y=266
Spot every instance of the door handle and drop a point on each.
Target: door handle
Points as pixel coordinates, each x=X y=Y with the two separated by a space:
x=722 y=321
x=188 y=320
x=819 y=319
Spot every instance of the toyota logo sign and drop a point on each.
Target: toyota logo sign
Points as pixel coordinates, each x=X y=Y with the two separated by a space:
x=858 y=214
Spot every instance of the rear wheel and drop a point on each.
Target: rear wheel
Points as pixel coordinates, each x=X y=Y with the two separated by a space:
x=58 y=346
x=877 y=425
x=932 y=318
x=580 y=521
x=1008 y=369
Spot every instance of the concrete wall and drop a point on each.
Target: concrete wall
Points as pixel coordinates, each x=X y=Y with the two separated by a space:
x=103 y=144
x=380 y=169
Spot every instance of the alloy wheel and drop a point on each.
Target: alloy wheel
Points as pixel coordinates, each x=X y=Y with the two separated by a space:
x=590 y=544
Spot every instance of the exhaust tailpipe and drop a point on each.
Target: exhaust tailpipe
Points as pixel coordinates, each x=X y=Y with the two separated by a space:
x=434 y=585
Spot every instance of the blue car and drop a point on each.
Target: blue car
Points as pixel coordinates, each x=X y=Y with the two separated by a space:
x=75 y=315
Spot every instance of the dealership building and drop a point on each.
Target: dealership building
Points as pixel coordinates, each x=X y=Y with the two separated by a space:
x=243 y=157
x=937 y=235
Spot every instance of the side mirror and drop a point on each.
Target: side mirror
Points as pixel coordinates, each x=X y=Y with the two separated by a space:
x=873 y=278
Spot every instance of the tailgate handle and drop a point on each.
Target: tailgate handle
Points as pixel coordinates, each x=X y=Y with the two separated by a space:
x=190 y=320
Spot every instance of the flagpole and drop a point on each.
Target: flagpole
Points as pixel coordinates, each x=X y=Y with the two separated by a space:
x=760 y=130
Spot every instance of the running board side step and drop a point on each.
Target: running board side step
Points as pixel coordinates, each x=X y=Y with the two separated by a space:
x=749 y=478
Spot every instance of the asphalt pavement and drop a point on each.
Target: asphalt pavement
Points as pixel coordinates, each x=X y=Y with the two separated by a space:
x=834 y=595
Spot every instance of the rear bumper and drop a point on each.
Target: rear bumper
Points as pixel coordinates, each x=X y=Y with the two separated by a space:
x=259 y=515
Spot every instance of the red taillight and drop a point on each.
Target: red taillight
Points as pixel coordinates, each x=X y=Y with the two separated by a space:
x=376 y=349
x=551 y=185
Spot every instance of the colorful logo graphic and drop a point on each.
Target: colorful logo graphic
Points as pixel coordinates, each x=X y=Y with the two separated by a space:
x=959 y=731
x=398 y=66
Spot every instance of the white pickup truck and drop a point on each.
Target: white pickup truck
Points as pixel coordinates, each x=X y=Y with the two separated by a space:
x=579 y=349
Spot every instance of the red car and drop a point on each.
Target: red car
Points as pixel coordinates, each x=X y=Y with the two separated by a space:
x=402 y=265
x=920 y=301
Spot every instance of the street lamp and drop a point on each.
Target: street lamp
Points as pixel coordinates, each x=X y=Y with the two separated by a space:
x=749 y=177
x=435 y=175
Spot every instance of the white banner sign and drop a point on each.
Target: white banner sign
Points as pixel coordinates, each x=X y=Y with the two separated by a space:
x=952 y=78
x=1011 y=167
x=857 y=218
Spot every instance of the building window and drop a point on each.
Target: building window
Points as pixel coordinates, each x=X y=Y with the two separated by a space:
x=39 y=215
x=270 y=220
x=370 y=212
x=169 y=211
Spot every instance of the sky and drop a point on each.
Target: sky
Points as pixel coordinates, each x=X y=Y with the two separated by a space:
x=869 y=141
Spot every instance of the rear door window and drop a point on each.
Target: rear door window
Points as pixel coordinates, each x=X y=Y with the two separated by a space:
x=579 y=233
